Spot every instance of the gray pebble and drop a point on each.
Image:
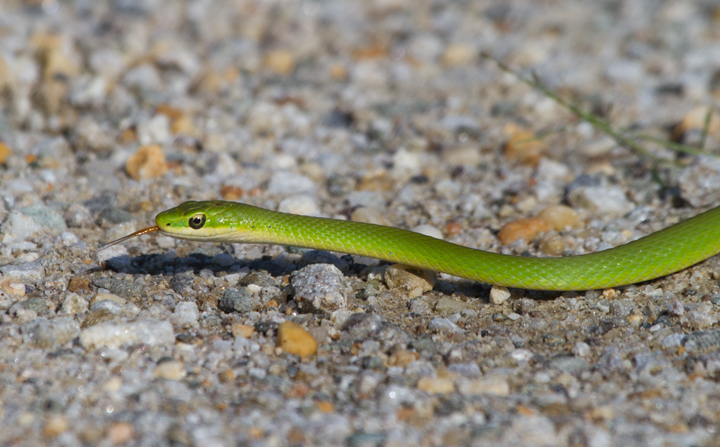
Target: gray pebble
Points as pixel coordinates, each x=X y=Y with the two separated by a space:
x=234 y=300
x=284 y=183
x=448 y=305
x=650 y=363
x=108 y=305
x=319 y=287
x=465 y=369
x=610 y=361
x=19 y=228
x=699 y=181
x=324 y=257
x=50 y=334
x=183 y=283
x=360 y=326
x=41 y=306
x=569 y=364
x=602 y=200
x=444 y=325
x=125 y=289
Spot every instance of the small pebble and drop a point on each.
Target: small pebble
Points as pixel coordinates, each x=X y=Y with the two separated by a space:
x=294 y=339
x=581 y=349
x=303 y=205
x=171 y=370
x=242 y=330
x=120 y=433
x=499 y=294
x=27 y=272
x=560 y=217
x=428 y=230
x=148 y=162
x=676 y=308
x=116 y=334
x=319 y=287
x=552 y=245
x=436 y=385
x=280 y=61
x=493 y=384
x=409 y=279
x=522 y=145
x=50 y=334
x=55 y=425
x=289 y=184
x=527 y=229
x=457 y=54
x=444 y=325
x=186 y=314
x=607 y=201
x=234 y=300
x=699 y=181
x=368 y=215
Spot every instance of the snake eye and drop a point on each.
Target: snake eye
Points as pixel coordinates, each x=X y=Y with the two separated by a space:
x=197 y=221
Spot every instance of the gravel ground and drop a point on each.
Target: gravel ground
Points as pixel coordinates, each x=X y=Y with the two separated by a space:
x=380 y=111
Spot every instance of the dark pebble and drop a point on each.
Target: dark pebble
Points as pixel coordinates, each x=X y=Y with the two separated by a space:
x=125 y=289
x=234 y=300
x=183 y=283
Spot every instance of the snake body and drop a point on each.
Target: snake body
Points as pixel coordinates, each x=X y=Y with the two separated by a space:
x=667 y=251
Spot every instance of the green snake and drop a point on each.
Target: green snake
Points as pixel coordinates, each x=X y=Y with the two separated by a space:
x=661 y=253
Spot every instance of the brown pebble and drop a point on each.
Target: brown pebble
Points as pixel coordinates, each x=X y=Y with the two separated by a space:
x=522 y=145
x=227 y=376
x=231 y=193
x=146 y=163
x=294 y=339
x=436 y=385
x=695 y=120
x=453 y=228
x=77 y=284
x=410 y=279
x=458 y=54
x=280 y=61
x=560 y=217
x=54 y=426
x=242 y=330
x=377 y=180
x=121 y=432
x=402 y=358
x=325 y=406
x=527 y=229
x=338 y=72
x=4 y=152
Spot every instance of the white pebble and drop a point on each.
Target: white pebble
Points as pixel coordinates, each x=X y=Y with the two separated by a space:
x=499 y=294
x=118 y=333
x=186 y=314
x=300 y=204
x=581 y=349
x=428 y=230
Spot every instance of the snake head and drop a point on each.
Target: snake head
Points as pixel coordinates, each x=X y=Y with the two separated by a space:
x=203 y=221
